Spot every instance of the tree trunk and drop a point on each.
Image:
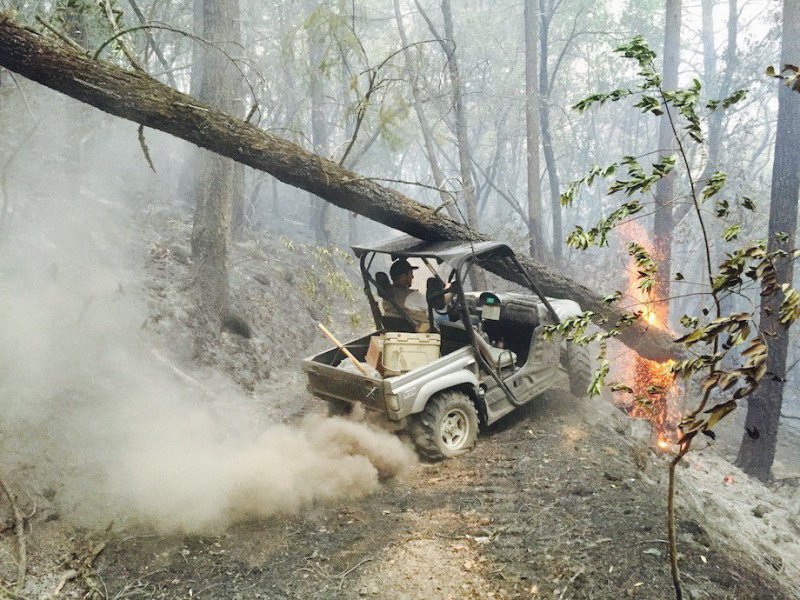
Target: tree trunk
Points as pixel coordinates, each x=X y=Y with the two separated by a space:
x=139 y=98
x=536 y=241
x=215 y=189
x=665 y=188
x=319 y=132
x=547 y=138
x=757 y=451
x=424 y=125
x=461 y=121
x=714 y=89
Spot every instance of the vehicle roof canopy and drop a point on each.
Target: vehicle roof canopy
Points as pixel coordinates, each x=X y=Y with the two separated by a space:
x=453 y=253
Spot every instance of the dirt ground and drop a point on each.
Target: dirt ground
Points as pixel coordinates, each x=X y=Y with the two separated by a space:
x=563 y=499
x=558 y=501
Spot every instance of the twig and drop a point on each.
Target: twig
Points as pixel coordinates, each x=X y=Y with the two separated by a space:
x=120 y=42
x=62 y=36
x=6 y=593
x=571 y=579
x=350 y=570
x=145 y=149
x=25 y=98
x=19 y=530
x=153 y=45
x=68 y=576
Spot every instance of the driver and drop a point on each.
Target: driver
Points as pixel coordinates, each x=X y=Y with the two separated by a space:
x=414 y=302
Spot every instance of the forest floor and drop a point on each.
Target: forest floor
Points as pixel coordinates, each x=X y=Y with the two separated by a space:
x=564 y=498
x=558 y=501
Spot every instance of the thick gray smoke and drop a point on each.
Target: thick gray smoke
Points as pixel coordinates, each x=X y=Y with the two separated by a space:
x=89 y=413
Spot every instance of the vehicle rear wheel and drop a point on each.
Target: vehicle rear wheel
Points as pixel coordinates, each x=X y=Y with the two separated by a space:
x=339 y=408
x=447 y=427
x=579 y=369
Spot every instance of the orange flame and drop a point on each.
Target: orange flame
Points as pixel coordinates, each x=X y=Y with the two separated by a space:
x=654 y=391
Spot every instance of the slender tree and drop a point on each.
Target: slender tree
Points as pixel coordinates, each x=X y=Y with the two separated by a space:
x=547 y=9
x=319 y=130
x=460 y=117
x=665 y=189
x=757 y=452
x=424 y=124
x=535 y=238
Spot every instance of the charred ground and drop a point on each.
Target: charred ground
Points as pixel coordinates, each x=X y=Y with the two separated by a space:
x=562 y=500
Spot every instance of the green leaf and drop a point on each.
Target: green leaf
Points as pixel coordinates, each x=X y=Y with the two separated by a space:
x=620 y=387
x=598 y=377
x=731 y=233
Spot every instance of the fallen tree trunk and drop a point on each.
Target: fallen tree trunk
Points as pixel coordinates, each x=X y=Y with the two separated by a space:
x=137 y=97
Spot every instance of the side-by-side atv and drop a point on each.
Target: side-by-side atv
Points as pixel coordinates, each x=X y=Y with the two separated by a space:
x=492 y=356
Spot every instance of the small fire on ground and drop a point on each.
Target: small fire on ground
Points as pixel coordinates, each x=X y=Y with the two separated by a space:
x=655 y=394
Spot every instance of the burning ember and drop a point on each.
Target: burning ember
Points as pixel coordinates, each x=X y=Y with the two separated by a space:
x=654 y=395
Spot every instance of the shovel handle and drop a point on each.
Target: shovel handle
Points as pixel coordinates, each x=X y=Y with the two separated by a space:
x=341 y=347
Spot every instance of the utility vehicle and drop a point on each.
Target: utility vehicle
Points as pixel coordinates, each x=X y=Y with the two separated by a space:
x=493 y=355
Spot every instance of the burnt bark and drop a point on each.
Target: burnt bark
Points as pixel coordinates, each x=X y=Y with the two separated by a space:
x=137 y=97
x=757 y=452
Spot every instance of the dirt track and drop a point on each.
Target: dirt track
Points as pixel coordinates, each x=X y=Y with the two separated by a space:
x=553 y=503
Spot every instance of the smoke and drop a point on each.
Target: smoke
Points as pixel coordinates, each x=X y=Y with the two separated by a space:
x=90 y=417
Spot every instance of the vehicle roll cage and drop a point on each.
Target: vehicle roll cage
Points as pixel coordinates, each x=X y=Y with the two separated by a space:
x=462 y=256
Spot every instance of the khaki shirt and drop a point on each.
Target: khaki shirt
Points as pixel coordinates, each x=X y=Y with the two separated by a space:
x=412 y=301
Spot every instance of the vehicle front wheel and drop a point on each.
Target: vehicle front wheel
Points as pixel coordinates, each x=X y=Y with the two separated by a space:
x=579 y=369
x=447 y=427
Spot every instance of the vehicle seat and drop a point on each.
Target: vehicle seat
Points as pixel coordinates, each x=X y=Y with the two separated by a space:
x=390 y=323
x=383 y=283
x=499 y=358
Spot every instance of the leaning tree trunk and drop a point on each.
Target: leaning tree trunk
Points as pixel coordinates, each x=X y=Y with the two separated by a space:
x=757 y=451
x=142 y=99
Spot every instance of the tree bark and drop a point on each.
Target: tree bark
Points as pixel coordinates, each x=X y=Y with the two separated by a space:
x=536 y=241
x=137 y=97
x=216 y=188
x=757 y=452
x=547 y=138
x=320 y=218
x=665 y=188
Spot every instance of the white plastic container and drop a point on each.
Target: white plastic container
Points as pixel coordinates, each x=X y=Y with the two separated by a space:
x=403 y=352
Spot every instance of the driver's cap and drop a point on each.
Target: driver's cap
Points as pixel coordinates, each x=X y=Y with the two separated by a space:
x=400 y=266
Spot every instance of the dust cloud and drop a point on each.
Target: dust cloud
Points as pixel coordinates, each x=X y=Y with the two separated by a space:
x=90 y=418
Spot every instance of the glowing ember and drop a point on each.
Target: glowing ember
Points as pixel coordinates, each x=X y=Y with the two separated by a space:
x=653 y=383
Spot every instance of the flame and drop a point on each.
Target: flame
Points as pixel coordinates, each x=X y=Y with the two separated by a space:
x=655 y=394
